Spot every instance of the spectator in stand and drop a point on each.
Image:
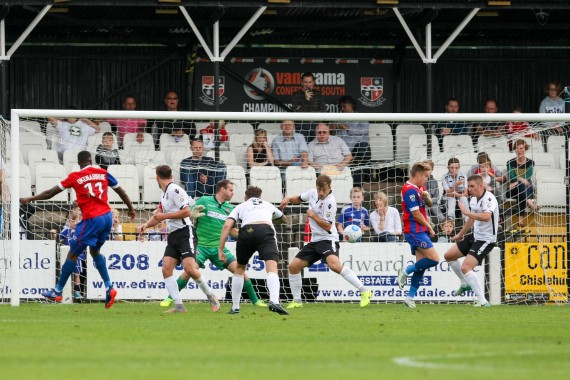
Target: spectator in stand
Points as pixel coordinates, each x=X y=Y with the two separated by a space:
x=290 y=148
x=106 y=155
x=65 y=237
x=354 y=213
x=518 y=128
x=385 y=219
x=73 y=133
x=451 y=127
x=493 y=171
x=454 y=188
x=208 y=134
x=493 y=128
x=174 y=127
x=328 y=153
x=124 y=126
x=117 y=228
x=198 y=173
x=259 y=153
x=308 y=99
x=519 y=179
x=447 y=232
x=553 y=103
x=432 y=187
x=355 y=135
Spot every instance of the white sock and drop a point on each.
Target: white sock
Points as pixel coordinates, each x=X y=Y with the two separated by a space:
x=237 y=288
x=350 y=276
x=172 y=287
x=273 y=286
x=456 y=268
x=296 y=282
x=203 y=286
x=473 y=280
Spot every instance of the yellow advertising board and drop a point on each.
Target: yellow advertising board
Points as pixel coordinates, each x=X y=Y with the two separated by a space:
x=536 y=272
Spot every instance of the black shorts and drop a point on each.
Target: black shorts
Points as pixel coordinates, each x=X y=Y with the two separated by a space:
x=256 y=237
x=476 y=248
x=180 y=245
x=318 y=250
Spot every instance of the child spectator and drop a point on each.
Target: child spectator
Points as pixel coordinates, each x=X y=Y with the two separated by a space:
x=65 y=237
x=385 y=219
x=106 y=155
x=485 y=171
x=447 y=232
x=117 y=228
x=355 y=213
x=454 y=188
x=259 y=153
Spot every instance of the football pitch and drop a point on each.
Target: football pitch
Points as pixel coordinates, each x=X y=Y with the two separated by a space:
x=319 y=341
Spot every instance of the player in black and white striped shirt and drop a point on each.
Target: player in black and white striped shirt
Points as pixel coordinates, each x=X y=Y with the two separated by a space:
x=484 y=218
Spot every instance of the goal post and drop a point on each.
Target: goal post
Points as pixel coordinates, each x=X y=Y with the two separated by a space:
x=529 y=266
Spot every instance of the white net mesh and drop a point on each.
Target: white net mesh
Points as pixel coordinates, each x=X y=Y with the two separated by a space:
x=530 y=265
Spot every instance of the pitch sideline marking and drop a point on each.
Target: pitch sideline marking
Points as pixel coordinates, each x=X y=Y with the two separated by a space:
x=426 y=361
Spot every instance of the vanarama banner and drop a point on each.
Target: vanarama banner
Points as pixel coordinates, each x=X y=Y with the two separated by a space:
x=368 y=81
x=536 y=272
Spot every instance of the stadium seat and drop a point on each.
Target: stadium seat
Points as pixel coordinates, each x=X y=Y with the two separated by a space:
x=238 y=145
x=70 y=160
x=271 y=128
x=105 y=127
x=403 y=133
x=52 y=137
x=534 y=144
x=341 y=185
x=97 y=139
x=239 y=129
x=226 y=156
x=128 y=178
x=36 y=156
x=9 y=155
x=236 y=174
x=48 y=175
x=500 y=159
x=551 y=193
x=30 y=126
x=542 y=159
x=438 y=172
x=25 y=179
x=563 y=163
x=457 y=143
x=169 y=143
x=381 y=142
x=418 y=148
x=268 y=178
x=492 y=144
x=299 y=180
x=548 y=174
x=130 y=142
x=466 y=159
x=143 y=159
x=174 y=161
x=29 y=141
x=151 y=193
x=556 y=145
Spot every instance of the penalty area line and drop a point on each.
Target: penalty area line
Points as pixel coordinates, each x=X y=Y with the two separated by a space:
x=432 y=361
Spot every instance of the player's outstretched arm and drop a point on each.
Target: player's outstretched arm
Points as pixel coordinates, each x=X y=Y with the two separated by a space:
x=47 y=194
x=125 y=198
x=293 y=199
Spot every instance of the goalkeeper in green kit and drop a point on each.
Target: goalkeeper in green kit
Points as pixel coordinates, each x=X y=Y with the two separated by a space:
x=211 y=213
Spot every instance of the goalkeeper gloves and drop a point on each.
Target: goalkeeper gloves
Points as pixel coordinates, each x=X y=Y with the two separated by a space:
x=197 y=212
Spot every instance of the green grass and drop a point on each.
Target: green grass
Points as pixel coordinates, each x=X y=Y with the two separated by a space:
x=320 y=341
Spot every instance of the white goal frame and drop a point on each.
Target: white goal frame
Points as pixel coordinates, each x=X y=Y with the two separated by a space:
x=16 y=114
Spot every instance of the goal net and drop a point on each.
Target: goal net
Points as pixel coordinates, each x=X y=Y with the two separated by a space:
x=529 y=266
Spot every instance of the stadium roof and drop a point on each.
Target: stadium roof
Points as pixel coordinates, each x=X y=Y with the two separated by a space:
x=319 y=23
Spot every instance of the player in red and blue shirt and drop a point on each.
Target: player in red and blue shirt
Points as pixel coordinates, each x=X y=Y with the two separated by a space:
x=90 y=184
x=417 y=230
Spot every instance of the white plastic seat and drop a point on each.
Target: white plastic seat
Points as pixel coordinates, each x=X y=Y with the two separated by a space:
x=381 y=142
x=556 y=145
x=70 y=160
x=268 y=179
x=239 y=129
x=128 y=179
x=52 y=137
x=29 y=141
x=271 y=128
x=25 y=179
x=97 y=139
x=466 y=159
x=37 y=156
x=226 y=156
x=176 y=158
x=30 y=126
x=534 y=144
x=105 y=127
x=418 y=146
x=403 y=133
x=562 y=164
x=341 y=185
x=500 y=159
x=48 y=175
x=457 y=143
x=236 y=174
x=238 y=145
x=130 y=142
x=169 y=143
x=9 y=155
x=548 y=174
x=550 y=190
x=151 y=193
x=492 y=144
x=143 y=159
x=299 y=180
x=542 y=159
